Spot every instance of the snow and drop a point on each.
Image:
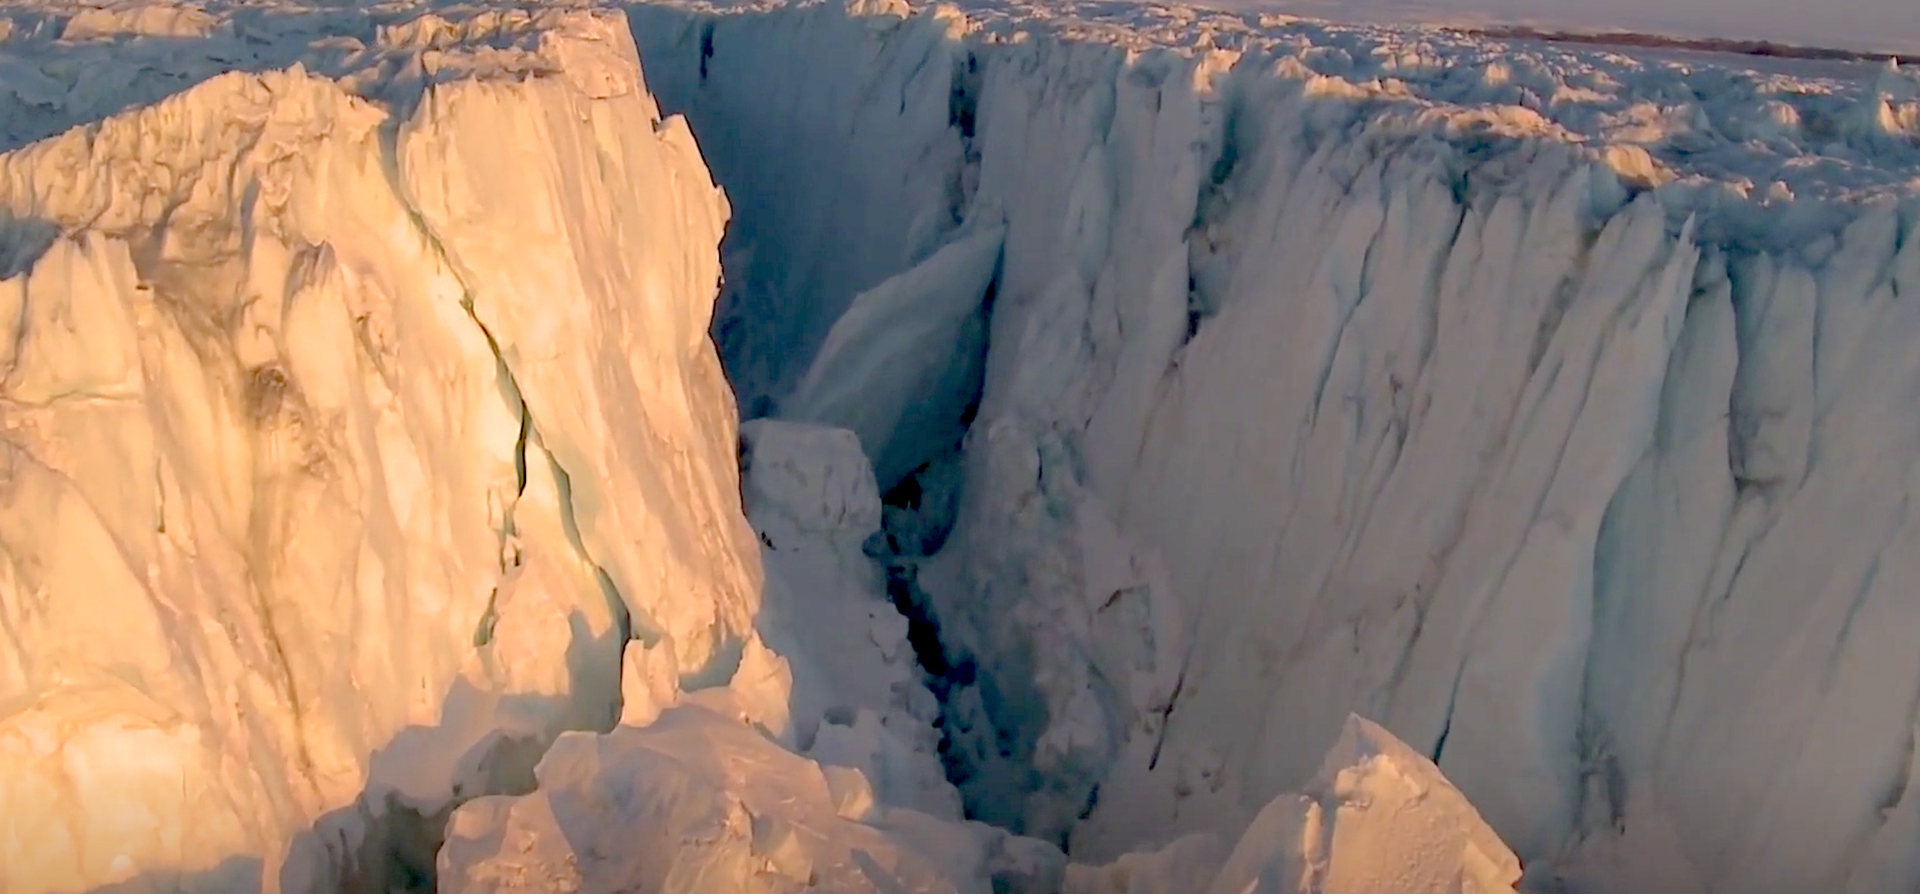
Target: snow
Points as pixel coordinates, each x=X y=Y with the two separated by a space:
x=1227 y=375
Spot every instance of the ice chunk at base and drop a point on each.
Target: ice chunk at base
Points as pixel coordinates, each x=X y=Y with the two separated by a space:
x=697 y=802
x=1377 y=817
x=700 y=802
x=813 y=478
x=901 y=367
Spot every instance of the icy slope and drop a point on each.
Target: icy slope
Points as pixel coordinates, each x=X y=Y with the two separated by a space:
x=1549 y=405
x=329 y=496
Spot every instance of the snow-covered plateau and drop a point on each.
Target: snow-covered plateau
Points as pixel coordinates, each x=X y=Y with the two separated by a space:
x=1134 y=396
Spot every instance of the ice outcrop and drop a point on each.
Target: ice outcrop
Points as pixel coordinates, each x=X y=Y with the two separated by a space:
x=857 y=699
x=1544 y=403
x=1377 y=817
x=346 y=444
x=901 y=367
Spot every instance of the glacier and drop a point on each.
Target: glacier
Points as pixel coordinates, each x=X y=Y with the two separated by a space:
x=1133 y=395
x=328 y=501
x=1504 y=392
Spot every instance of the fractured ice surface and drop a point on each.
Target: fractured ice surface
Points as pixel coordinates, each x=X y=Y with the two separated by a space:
x=1547 y=404
x=328 y=498
x=699 y=802
x=362 y=434
x=901 y=367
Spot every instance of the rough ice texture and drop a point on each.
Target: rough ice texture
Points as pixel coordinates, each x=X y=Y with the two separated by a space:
x=856 y=699
x=1547 y=404
x=1377 y=817
x=699 y=801
x=886 y=370
x=345 y=442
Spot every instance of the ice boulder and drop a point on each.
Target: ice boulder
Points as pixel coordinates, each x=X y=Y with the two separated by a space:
x=697 y=802
x=810 y=477
x=1378 y=817
x=902 y=366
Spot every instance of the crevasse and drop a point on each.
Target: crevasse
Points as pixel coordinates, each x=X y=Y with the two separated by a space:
x=1547 y=405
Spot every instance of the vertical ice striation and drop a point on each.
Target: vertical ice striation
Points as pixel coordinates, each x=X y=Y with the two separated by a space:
x=850 y=161
x=1547 y=405
x=345 y=446
x=1550 y=406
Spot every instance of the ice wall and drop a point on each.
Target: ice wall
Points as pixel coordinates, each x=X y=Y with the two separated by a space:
x=828 y=222
x=1547 y=405
x=347 y=441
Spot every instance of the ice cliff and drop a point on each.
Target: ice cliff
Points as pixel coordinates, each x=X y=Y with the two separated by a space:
x=325 y=497
x=369 y=483
x=1550 y=406
x=1135 y=395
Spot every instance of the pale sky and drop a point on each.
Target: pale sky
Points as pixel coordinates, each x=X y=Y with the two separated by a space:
x=1883 y=25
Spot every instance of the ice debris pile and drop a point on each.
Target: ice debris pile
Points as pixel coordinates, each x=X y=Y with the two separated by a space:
x=699 y=802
